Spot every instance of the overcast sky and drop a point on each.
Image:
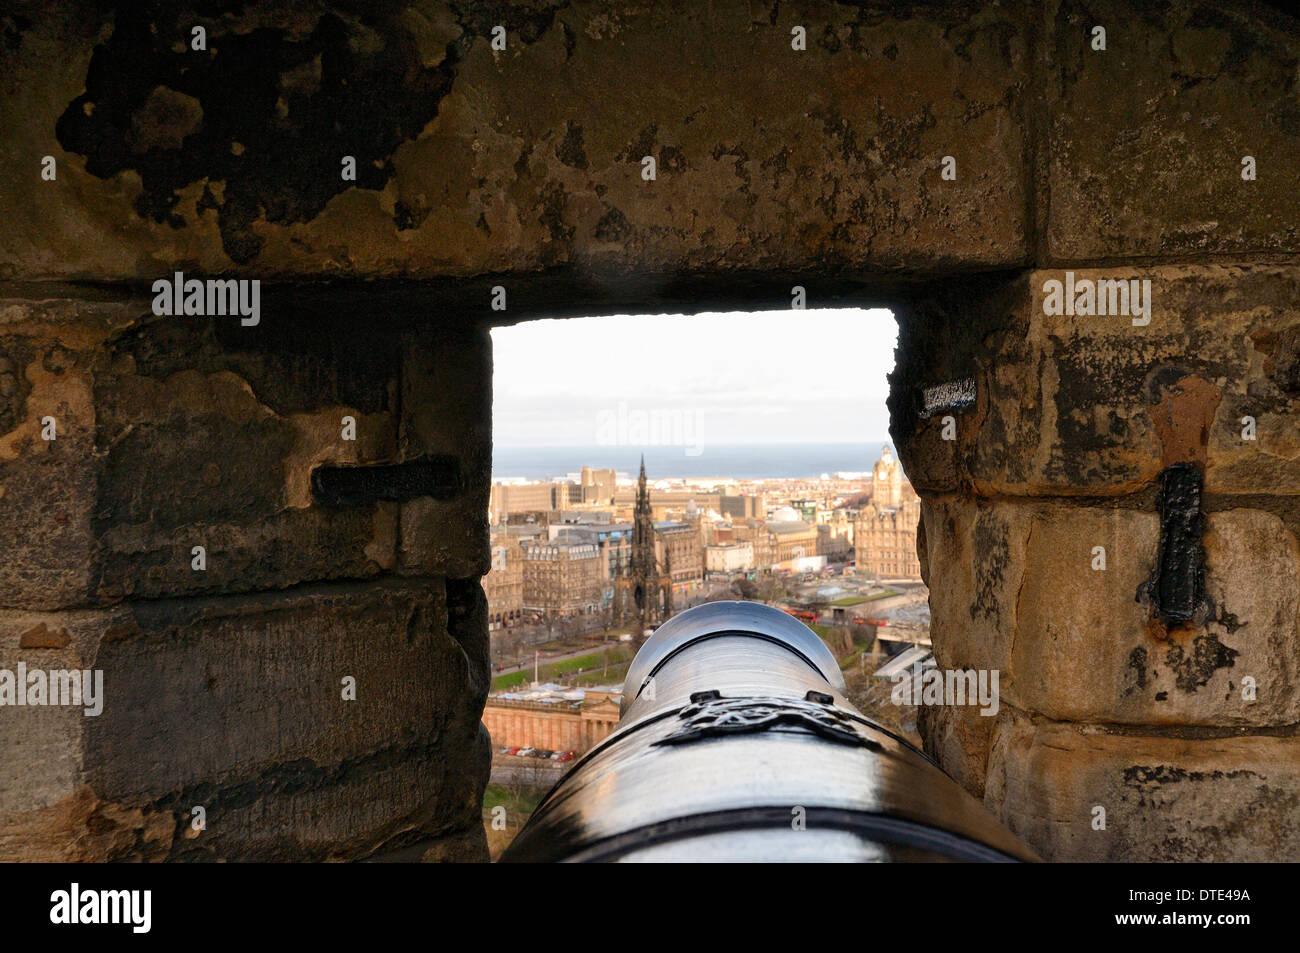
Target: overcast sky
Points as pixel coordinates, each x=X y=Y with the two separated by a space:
x=815 y=376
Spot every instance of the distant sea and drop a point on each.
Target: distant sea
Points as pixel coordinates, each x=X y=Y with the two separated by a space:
x=746 y=462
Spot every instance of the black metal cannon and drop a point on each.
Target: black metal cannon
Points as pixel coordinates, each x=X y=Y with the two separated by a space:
x=736 y=743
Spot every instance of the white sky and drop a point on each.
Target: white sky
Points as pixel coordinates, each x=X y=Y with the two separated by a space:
x=814 y=376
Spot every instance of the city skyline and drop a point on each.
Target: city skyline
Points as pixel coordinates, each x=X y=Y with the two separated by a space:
x=720 y=461
x=583 y=547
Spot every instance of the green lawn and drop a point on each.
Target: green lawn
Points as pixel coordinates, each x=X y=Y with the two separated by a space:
x=858 y=600
x=515 y=799
x=852 y=659
x=513 y=680
x=617 y=672
x=620 y=652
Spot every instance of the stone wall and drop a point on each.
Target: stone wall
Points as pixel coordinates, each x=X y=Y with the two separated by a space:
x=522 y=169
x=1104 y=703
x=224 y=687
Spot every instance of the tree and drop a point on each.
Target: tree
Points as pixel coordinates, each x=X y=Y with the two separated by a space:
x=771 y=589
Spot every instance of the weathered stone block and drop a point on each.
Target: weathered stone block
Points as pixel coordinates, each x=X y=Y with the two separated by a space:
x=472 y=160
x=1094 y=405
x=447 y=408
x=1087 y=650
x=405 y=796
x=1165 y=798
x=1014 y=588
x=236 y=704
x=1145 y=140
x=181 y=432
x=958 y=739
x=47 y=487
x=1079 y=628
x=976 y=555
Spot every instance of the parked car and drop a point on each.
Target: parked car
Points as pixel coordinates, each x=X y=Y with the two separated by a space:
x=542 y=753
x=565 y=756
x=525 y=752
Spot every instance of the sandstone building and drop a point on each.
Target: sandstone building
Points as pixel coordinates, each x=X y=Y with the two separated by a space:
x=613 y=541
x=562 y=577
x=728 y=558
x=791 y=538
x=835 y=536
x=556 y=725
x=888 y=481
x=504 y=583
x=885 y=531
x=885 y=540
x=508 y=499
x=755 y=533
x=598 y=486
x=681 y=551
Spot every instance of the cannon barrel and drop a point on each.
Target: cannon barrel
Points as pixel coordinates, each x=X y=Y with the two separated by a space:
x=736 y=743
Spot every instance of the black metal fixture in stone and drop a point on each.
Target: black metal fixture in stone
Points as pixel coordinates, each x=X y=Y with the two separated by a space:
x=1176 y=589
x=336 y=485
